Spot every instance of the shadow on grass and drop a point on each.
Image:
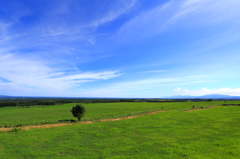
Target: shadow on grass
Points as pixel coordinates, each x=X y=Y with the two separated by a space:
x=67 y=121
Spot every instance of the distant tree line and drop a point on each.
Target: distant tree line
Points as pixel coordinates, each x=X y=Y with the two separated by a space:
x=36 y=102
x=230 y=104
x=5 y=102
x=126 y=100
x=25 y=103
x=31 y=101
x=8 y=103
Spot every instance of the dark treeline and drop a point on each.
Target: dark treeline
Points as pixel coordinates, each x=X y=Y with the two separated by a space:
x=31 y=101
x=231 y=105
x=25 y=103
x=170 y=100
x=8 y=103
x=127 y=100
x=4 y=102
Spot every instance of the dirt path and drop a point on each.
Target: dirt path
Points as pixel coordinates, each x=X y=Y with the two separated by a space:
x=90 y=122
x=80 y=123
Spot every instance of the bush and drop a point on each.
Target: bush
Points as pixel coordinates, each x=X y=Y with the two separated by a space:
x=78 y=111
x=209 y=100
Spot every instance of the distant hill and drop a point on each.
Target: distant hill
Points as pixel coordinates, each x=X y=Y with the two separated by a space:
x=209 y=96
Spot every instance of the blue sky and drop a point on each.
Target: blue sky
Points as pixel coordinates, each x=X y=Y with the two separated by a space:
x=119 y=48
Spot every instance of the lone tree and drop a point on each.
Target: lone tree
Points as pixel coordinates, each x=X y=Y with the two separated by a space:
x=78 y=111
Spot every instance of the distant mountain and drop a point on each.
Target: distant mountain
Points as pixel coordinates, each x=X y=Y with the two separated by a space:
x=219 y=96
x=209 y=96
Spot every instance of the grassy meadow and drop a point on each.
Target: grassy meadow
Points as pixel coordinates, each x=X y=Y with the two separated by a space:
x=201 y=134
x=38 y=115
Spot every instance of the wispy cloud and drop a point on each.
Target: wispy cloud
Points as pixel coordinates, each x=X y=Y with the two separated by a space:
x=63 y=21
x=89 y=76
x=183 y=15
x=118 y=8
x=31 y=73
x=205 y=91
x=55 y=27
x=41 y=47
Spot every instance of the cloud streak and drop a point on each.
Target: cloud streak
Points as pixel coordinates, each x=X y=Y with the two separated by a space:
x=182 y=15
x=31 y=73
x=118 y=9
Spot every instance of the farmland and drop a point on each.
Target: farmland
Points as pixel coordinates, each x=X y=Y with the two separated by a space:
x=206 y=133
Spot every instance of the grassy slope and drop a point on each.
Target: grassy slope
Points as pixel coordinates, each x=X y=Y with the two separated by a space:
x=35 y=115
x=209 y=133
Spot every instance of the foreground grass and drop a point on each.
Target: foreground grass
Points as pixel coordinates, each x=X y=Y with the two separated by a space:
x=38 y=115
x=209 y=133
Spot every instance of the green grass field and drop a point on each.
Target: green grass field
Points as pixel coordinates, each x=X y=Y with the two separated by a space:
x=202 y=134
x=37 y=115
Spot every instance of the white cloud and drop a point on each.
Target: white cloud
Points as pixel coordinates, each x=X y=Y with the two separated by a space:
x=205 y=91
x=184 y=14
x=151 y=22
x=57 y=24
x=69 y=18
x=90 y=75
x=28 y=74
x=119 y=8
